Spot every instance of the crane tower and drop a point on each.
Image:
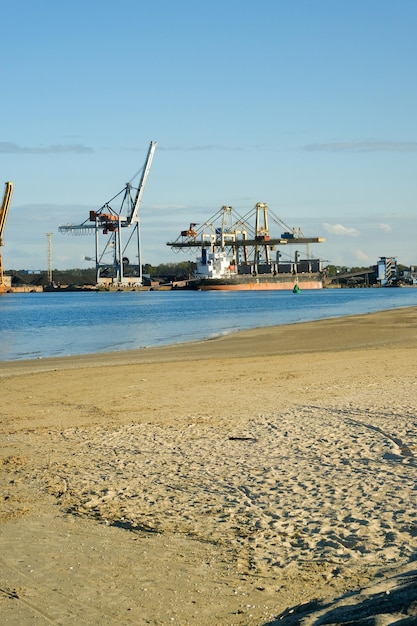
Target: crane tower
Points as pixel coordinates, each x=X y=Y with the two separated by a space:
x=118 y=257
x=49 y=238
x=3 y=217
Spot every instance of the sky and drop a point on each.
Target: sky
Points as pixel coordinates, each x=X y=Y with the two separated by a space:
x=307 y=105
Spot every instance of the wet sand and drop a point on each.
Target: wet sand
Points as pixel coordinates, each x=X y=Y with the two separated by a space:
x=266 y=476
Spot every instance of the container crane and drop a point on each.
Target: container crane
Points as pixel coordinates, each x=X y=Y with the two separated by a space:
x=3 y=217
x=112 y=263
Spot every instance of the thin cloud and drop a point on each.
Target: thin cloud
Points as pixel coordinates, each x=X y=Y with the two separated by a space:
x=385 y=227
x=168 y=207
x=361 y=256
x=201 y=148
x=362 y=146
x=339 y=229
x=7 y=147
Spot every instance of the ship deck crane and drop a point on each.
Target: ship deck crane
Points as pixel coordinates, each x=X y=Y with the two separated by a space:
x=3 y=217
x=249 y=234
x=112 y=263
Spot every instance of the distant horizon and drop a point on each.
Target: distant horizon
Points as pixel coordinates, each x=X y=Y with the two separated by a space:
x=173 y=263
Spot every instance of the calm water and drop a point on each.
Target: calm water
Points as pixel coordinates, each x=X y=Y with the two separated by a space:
x=58 y=324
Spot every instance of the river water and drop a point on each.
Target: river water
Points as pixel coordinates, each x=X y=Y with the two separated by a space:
x=41 y=325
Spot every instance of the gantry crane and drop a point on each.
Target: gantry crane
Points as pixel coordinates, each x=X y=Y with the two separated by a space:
x=112 y=263
x=3 y=217
x=248 y=236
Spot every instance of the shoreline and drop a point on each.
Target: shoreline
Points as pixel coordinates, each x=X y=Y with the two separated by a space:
x=319 y=335
x=66 y=337
x=226 y=481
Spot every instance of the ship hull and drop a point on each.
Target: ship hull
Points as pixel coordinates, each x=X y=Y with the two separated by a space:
x=261 y=283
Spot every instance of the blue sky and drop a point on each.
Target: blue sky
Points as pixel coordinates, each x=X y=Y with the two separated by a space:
x=307 y=105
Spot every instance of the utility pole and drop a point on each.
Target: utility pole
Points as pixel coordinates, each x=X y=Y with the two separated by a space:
x=49 y=235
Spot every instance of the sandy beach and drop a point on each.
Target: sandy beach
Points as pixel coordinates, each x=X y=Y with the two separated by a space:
x=265 y=477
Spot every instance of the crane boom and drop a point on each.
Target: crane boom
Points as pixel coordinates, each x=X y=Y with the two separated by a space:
x=134 y=214
x=5 y=208
x=3 y=216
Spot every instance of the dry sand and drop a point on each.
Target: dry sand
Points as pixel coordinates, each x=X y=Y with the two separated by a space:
x=264 y=477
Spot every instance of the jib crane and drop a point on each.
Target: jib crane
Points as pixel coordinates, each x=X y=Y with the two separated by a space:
x=3 y=217
x=112 y=263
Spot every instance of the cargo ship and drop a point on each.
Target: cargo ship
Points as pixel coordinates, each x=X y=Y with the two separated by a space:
x=216 y=271
x=240 y=254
